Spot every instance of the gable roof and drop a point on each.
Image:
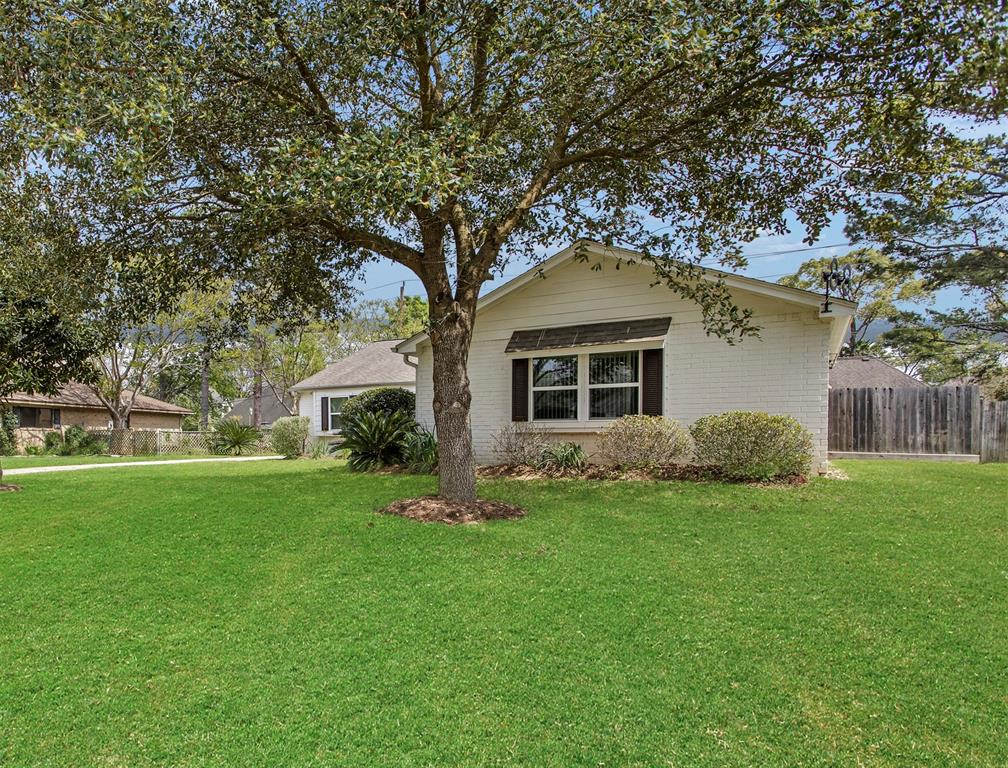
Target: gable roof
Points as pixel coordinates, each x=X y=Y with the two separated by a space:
x=841 y=308
x=868 y=371
x=376 y=363
x=271 y=409
x=74 y=395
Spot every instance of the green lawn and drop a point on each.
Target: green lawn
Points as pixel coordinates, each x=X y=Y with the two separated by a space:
x=17 y=462
x=261 y=614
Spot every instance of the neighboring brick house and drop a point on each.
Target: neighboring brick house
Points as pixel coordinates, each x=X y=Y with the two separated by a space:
x=570 y=346
x=77 y=404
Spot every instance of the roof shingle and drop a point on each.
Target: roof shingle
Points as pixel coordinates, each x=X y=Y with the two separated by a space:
x=373 y=364
x=867 y=371
x=74 y=395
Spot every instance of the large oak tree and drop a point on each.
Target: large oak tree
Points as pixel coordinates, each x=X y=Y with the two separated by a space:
x=450 y=137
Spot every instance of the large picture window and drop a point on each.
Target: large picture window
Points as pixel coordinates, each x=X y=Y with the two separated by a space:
x=555 y=387
x=613 y=384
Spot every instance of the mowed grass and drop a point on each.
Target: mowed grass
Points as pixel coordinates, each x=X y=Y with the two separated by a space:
x=262 y=614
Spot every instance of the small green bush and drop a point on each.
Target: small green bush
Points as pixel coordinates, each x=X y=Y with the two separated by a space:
x=644 y=442
x=376 y=439
x=385 y=400
x=748 y=445
x=289 y=436
x=8 y=423
x=234 y=438
x=567 y=455
x=420 y=452
x=75 y=441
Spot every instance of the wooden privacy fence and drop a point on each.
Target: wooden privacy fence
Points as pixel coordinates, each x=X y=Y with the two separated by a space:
x=922 y=420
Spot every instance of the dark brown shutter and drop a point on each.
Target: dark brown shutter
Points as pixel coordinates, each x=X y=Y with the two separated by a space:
x=651 y=397
x=519 y=389
x=325 y=414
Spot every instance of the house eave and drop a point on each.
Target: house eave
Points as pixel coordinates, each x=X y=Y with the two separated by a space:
x=753 y=285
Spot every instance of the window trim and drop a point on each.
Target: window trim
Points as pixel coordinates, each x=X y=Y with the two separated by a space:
x=334 y=415
x=638 y=385
x=576 y=387
x=584 y=420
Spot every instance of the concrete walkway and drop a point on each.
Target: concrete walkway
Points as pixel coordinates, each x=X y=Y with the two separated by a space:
x=120 y=464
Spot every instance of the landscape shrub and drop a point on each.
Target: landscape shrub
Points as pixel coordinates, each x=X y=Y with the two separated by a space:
x=376 y=439
x=289 y=436
x=75 y=441
x=234 y=438
x=8 y=423
x=320 y=449
x=748 y=445
x=420 y=452
x=567 y=455
x=385 y=400
x=520 y=442
x=644 y=442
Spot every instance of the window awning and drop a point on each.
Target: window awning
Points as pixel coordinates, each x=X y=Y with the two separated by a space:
x=618 y=332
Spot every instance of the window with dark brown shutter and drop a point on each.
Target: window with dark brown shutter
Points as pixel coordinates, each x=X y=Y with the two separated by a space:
x=325 y=413
x=519 y=389
x=651 y=383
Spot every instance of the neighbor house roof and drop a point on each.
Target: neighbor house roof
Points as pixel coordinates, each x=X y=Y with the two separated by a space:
x=76 y=395
x=841 y=310
x=373 y=364
x=271 y=409
x=868 y=371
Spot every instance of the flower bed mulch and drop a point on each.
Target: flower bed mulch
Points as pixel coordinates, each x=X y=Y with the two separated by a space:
x=686 y=472
x=9 y=487
x=433 y=509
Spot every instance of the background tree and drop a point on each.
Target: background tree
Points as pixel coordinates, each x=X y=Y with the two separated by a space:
x=42 y=343
x=375 y=320
x=450 y=138
x=952 y=231
x=878 y=289
x=937 y=356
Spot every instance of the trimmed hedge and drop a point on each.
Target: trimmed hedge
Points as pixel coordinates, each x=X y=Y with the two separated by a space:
x=748 y=445
x=644 y=442
x=384 y=400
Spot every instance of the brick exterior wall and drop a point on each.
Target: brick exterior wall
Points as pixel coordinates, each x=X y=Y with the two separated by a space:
x=783 y=371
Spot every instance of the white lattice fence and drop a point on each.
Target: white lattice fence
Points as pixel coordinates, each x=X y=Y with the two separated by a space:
x=157 y=442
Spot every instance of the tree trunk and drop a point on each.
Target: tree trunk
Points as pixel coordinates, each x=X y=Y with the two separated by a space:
x=257 y=390
x=450 y=337
x=205 y=391
x=120 y=420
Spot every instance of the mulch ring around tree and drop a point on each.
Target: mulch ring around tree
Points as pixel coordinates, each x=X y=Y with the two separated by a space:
x=9 y=487
x=433 y=509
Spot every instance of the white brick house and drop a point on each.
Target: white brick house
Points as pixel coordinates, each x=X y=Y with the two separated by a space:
x=569 y=347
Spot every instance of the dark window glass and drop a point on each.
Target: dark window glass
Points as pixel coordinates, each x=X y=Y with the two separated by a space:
x=56 y=420
x=554 y=371
x=554 y=404
x=612 y=402
x=618 y=368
